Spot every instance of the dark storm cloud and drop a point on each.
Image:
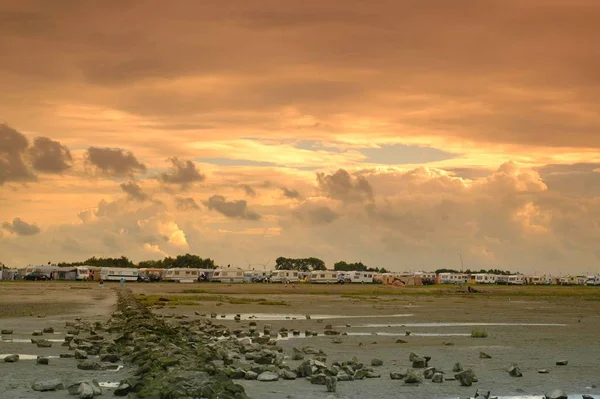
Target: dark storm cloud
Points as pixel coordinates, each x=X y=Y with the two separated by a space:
x=183 y=173
x=315 y=214
x=12 y=147
x=290 y=193
x=134 y=191
x=49 y=156
x=186 y=204
x=20 y=227
x=341 y=186
x=115 y=161
x=237 y=209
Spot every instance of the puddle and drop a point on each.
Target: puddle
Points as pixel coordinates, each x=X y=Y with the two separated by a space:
x=26 y=341
x=26 y=357
x=362 y=334
x=290 y=316
x=455 y=325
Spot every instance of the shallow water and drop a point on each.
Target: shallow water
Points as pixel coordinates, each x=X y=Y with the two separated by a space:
x=26 y=341
x=294 y=316
x=25 y=357
x=372 y=325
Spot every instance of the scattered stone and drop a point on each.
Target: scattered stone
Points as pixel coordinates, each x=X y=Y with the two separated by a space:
x=331 y=384
x=298 y=355
x=250 y=375
x=66 y=355
x=42 y=360
x=586 y=396
x=401 y=341
x=515 y=371
x=48 y=330
x=307 y=317
x=336 y=340
x=268 y=376
x=398 y=375
x=438 y=378
x=429 y=372
x=37 y=333
x=319 y=379
x=80 y=354
x=110 y=358
x=543 y=371
x=419 y=363
x=213 y=315
x=122 y=390
x=11 y=358
x=43 y=343
x=288 y=374
x=413 y=377
x=466 y=378
x=448 y=343
x=85 y=391
x=47 y=385
x=556 y=394
x=562 y=362
x=483 y=355
x=6 y=332
x=89 y=365
x=457 y=368
x=481 y=394
x=376 y=362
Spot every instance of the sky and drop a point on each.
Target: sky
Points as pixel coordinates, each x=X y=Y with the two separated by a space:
x=403 y=134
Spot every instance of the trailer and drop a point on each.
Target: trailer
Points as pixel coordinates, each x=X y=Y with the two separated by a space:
x=593 y=280
x=484 y=278
x=118 y=273
x=326 y=277
x=182 y=275
x=356 y=276
x=454 y=278
x=228 y=276
x=285 y=276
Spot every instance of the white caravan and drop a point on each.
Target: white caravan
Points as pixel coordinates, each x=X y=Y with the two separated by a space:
x=515 y=279
x=484 y=278
x=454 y=278
x=181 y=275
x=358 y=277
x=118 y=273
x=228 y=276
x=285 y=276
x=326 y=277
x=593 y=280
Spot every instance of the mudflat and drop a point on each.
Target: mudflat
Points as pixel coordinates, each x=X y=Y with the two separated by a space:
x=534 y=327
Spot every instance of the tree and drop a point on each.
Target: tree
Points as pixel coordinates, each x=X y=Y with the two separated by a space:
x=357 y=266
x=300 y=264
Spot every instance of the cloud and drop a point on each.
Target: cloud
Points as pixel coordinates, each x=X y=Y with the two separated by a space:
x=21 y=228
x=250 y=192
x=290 y=193
x=341 y=186
x=186 y=204
x=183 y=173
x=115 y=161
x=12 y=147
x=134 y=191
x=49 y=156
x=316 y=214
x=232 y=209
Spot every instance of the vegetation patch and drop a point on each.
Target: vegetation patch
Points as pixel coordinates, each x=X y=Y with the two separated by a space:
x=191 y=300
x=478 y=334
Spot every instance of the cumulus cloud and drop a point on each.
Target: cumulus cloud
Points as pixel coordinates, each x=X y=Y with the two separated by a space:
x=186 y=204
x=183 y=173
x=290 y=193
x=115 y=161
x=237 y=209
x=13 y=145
x=315 y=213
x=49 y=156
x=21 y=228
x=134 y=191
x=250 y=192
x=342 y=186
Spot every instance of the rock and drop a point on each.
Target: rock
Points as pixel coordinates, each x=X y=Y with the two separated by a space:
x=122 y=390
x=586 y=396
x=110 y=358
x=413 y=377
x=372 y=374
x=457 y=368
x=438 y=378
x=80 y=354
x=307 y=317
x=213 y=315
x=331 y=384
x=429 y=372
x=43 y=343
x=250 y=375
x=66 y=355
x=268 y=376
x=6 y=332
x=562 y=362
x=376 y=362
x=466 y=378
x=543 y=371
x=89 y=365
x=85 y=391
x=42 y=360
x=319 y=379
x=419 y=363
x=336 y=340
x=481 y=394
x=483 y=355
x=398 y=375
x=37 y=333
x=343 y=376
x=401 y=341
x=47 y=385
x=48 y=330
x=556 y=394
x=515 y=371
x=288 y=374
x=11 y=358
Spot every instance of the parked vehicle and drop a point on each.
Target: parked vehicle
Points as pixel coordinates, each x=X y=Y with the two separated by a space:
x=593 y=280
x=326 y=277
x=36 y=276
x=118 y=273
x=358 y=277
x=183 y=275
x=285 y=276
x=228 y=276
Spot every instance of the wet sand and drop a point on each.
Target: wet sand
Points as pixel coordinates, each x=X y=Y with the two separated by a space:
x=356 y=310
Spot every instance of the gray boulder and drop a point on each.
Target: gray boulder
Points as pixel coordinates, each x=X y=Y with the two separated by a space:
x=42 y=360
x=85 y=391
x=515 y=371
x=419 y=362
x=543 y=371
x=376 y=362
x=413 y=377
x=331 y=384
x=37 y=333
x=89 y=365
x=466 y=378
x=562 y=362
x=122 y=390
x=556 y=394
x=43 y=343
x=481 y=394
x=48 y=330
x=268 y=376
x=288 y=374
x=47 y=385
x=250 y=375
x=11 y=358
x=297 y=355
x=483 y=355
x=110 y=358
x=318 y=379
x=437 y=378
x=457 y=367
x=80 y=354
x=6 y=332
x=398 y=375
x=429 y=372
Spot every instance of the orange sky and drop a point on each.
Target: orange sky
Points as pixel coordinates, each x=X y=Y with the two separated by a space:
x=401 y=133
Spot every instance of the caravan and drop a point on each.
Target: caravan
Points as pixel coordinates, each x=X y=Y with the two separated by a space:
x=118 y=273
x=484 y=278
x=285 y=276
x=358 y=277
x=182 y=275
x=326 y=277
x=228 y=276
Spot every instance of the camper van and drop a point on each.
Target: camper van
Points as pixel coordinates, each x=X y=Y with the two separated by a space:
x=326 y=277
x=285 y=276
x=454 y=278
x=228 y=276
x=358 y=277
x=593 y=280
x=182 y=275
x=515 y=279
x=484 y=278
x=118 y=273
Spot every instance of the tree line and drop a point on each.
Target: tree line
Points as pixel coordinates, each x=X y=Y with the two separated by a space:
x=469 y=271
